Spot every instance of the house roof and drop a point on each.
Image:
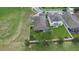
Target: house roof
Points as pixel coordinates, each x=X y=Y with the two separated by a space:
x=39 y=21
x=53 y=17
x=56 y=11
x=71 y=20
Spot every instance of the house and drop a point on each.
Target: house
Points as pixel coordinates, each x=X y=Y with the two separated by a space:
x=71 y=22
x=54 y=20
x=56 y=11
x=39 y=21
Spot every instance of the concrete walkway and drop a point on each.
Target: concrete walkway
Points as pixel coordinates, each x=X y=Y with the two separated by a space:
x=54 y=40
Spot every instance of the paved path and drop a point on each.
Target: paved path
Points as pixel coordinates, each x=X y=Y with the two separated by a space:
x=53 y=40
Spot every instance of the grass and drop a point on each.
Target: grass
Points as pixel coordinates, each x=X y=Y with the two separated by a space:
x=66 y=46
x=59 y=32
x=41 y=35
x=76 y=35
x=53 y=33
x=9 y=21
x=14 y=27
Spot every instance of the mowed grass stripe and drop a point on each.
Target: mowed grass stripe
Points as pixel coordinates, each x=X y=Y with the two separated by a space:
x=9 y=21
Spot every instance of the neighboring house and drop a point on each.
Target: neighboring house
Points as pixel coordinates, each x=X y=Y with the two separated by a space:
x=39 y=21
x=54 y=20
x=72 y=22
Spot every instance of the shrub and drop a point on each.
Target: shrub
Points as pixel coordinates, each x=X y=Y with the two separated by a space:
x=60 y=41
x=76 y=9
x=75 y=40
x=27 y=43
x=32 y=37
x=44 y=43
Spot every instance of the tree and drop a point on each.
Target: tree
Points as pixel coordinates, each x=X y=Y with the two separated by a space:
x=76 y=9
x=64 y=9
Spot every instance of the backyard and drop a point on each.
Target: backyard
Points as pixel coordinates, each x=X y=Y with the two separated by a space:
x=53 y=33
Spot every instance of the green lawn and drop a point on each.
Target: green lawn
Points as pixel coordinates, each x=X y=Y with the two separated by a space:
x=59 y=32
x=56 y=32
x=9 y=21
x=76 y=35
x=53 y=33
x=14 y=27
x=66 y=46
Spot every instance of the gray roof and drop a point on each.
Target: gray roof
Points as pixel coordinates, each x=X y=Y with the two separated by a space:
x=53 y=17
x=39 y=22
x=71 y=20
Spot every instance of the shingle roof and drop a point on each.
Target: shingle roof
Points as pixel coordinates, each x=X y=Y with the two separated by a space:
x=39 y=22
x=70 y=20
x=53 y=17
